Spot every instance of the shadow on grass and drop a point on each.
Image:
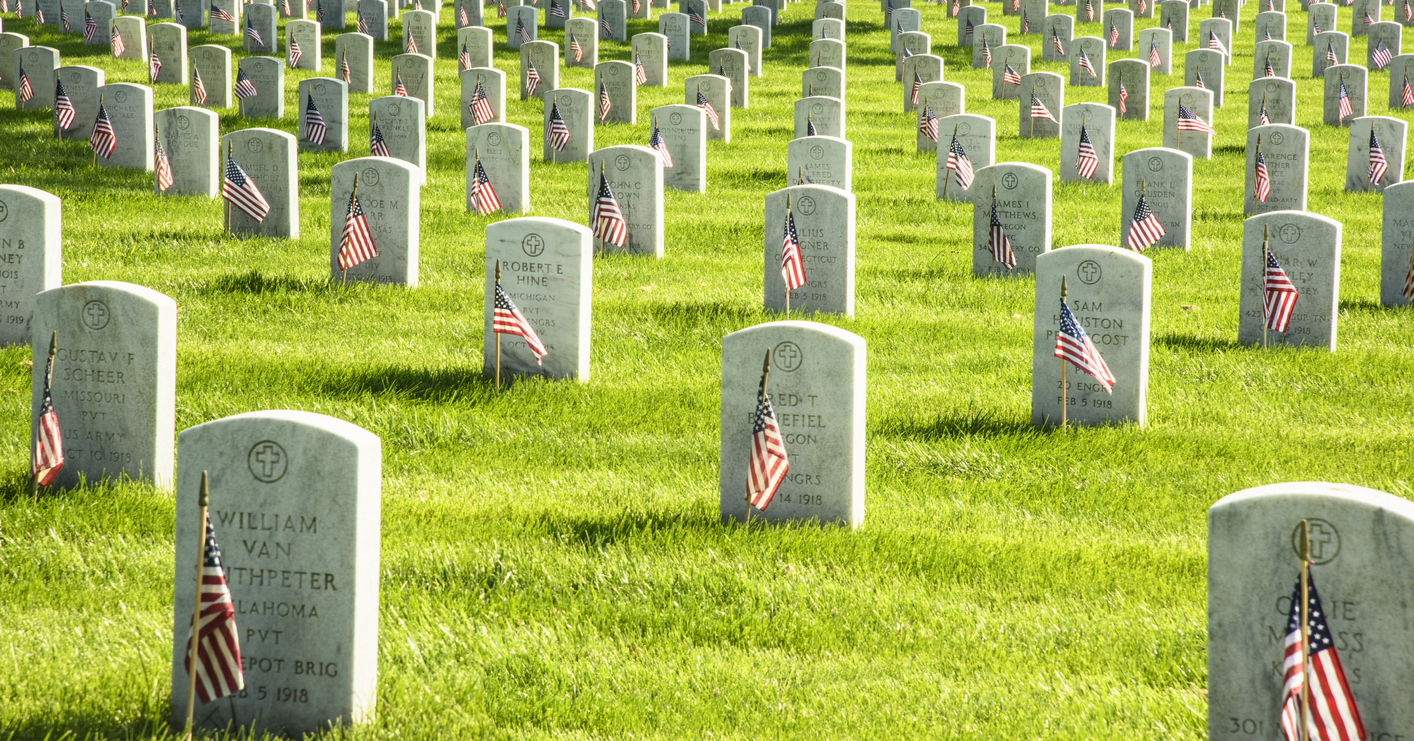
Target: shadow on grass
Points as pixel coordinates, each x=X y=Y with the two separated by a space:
x=426 y=384
x=1200 y=344
x=591 y=531
x=944 y=427
x=83 y=727
x=256 y=282
x=693 y=315
x=1353 y=305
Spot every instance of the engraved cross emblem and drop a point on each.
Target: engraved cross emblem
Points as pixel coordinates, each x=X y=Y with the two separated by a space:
x=269 y=457
x=1089 y=272
x=1320 y=538
x=95 y=315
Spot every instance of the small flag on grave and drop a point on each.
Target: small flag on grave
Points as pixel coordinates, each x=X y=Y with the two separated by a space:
x=986 y=55
x=1331 y=714
x=1144 y=228
x=1086 y=161
x=24 y=92
x=483 y=196
x=1123 y=96
x=917 y=83
x=356 y=242
x=1188 y=121
x=411 y=46
x=1085 y=63
x=362 y=24
x=63 y=106
x=377 y=145
x=1039 y=110
x=245 y=88
x=767 y=462
x=1262 y=180
x=161 y=165
x=115 y=41
x=532 y=77
x=640 y=75
x=558 y=132
x=251 y=35
x=1278 y=294
x=1345 y=109
x=1330 y=53
x=1407 y=96
x=577 y=49
x=464 y=59
x=1381 y=55
x=154 y=66
x=314 y=127
x=1262 y=118
x=997 y=241
x=959 y=163
x=1154 y=59
x=507 y=319
x=522 y=32
x=928 y=123
x=1378 y=165
x=480 y=105
x=345 y=73
x=1010 y=75
x=1114 y=34
x=198 y=88
x=792 y=264
x=104 y=139
x=217 y=648
x=1073 y=345
x=221 y=14
x=1056 y=44
x=657 y=143
x=706 y=106
x=695 y=17
x=241 y=192
x=90 y=27
x=609 y=224
x=398 y=87
x=294 y=52
x=48 y=457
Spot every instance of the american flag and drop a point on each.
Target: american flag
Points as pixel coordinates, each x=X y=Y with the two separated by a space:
x=462 y=19
x=966 y=32
x=1262 y=179
x=1278 y=295
x=1345 y=109
x=1330 y=53
x=1143 y=8
x=1377 y=160
x=556 y=11
x=1267 y=70
x=1074 y=345
x=319 y=12
x=748 y=56
x=398 y=87
x=90 y=26
x=464 y=59
x=294 y=52
x=480 y=105
x=1084 y=62
x=344 y=72
x=917 y=83
x=198 y=90
x=244 y=88
x=960 y=164
x=377 y=146
x=500 y=9
x=928 y=123
x=220 y=14
x=218 y=651
x=411 y=46
x=522 y=32
x=1056 y=44
x=657 y=143
x=640 y=75
x=63 y=107
x=115 y=41
x=154 y=66
x=953 y=10
x=1262 y=118
x=1198 y=80
x=1089 y=12
x=605 y=32
x=1408 y=13
x=1154 y=59
x=252 y=35
x=1025 y=23
x=768 y=463
x=242 y=193
x=38 y=13
x=888 y=12
x=1039 y=110
x=103 y=140
x=1188 y=121
x=586 y=4
x=706 y=106
x=575 y=47
x=1381 y=56
x=1114 y=34
x=998 y=242
x=1123 y=96
x=161 y=165
x=637 y=7
x=1015 y=5
x=1367 y=20
x=557 y=132
x=356 y=242
x=24 y=92
x=1333 y=714
x=1409 y=280
x=1010 y=76
x=285 y=8
x=314 y=128
x=695 y=17
x=483 y=196
x=532 y=77
x=1266 y=33
x=1144 y=228
x=604 y=104
x=1408 y=96
x=1085 y=158
x=507 y=319
x=792 y=264
x=1315 y=27
x=49 y=440
x=64 y=19
x=362 y=24
x=609 y=224
x=986 y=55
x=907 y=52
x=1216 y=43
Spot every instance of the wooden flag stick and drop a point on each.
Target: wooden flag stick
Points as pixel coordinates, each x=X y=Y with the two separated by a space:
x=604 y=248
x=205 y=497
x=493 y=326
x=95 y=149
x=352 y=197
x=48 y=380
x=783 y=277
x=230 y=152
x=554 y=101
x=1030 y=119
x=947 y=177
x=1262 y=284
x=1065 y=392
x=993 y=250
x=1305 y=628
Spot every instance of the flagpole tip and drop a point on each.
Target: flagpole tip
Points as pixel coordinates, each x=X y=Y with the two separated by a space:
x=205 y=497
x=53 y=344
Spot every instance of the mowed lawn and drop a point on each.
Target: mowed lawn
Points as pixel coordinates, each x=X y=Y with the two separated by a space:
x=553 y=563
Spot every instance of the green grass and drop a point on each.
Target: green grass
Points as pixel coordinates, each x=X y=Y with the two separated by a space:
x=553 y=566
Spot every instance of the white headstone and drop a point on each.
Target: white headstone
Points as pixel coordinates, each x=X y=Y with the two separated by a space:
x=1099 y=122
x=1353 y=78
x=1286 y=152
x=1396 y=256
x=479 y=45
x=1122 y=23
x=545 y=56
x=40 y=64
x=616 y=79
x=1307 y=247
x=261 y=18
x=389 y=192
x=1359 y=10
x=404 y=128
x=1328 y=42
x=1390 y=133
x=31 y=248
x=1056 y=33
x=748 y=39
x=308 y=35
x=1023 y=204
x=81 y=84
x=1093 y=49
x=1269 y=23
x=826 y=53
x=635 y=175
x=493 y=85
x=169 y=42
x=9 y=42
x=913 y=42
x=504 y=153
x=1207 y=66
x=1133 y=76
x=1160 y=41
x=614 y=13
x=129 y=109
x=1220 y=28
x=920 y=70
x=331 y=99
x=987 y=39
x=1277 y=95
x=1016 y=56
x=1319 y=15
x=576 y=108
x=977 y=135
x=268 y=76
x=268 y=158
x=547 y=271
x=1164 y=177
x=415 y=71
x=651 y=51
x=759 y=17
x=1173 y=15
x=824 y=225
x=714 y=89
x=212 y=63
x=1197 y=101
x=731 y=64
x=356 y=51
x=820 y=160
x=103 y=13
x=675 y=28
x=133 y=29
x=826 y=81
x=375 y=14
x=584 y=33
x=684 y=130
x=1047 y=88
x=825 y=114
x=189 y=137
x=420 y=32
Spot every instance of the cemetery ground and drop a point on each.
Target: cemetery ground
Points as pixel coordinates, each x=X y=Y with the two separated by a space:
x=553 y=565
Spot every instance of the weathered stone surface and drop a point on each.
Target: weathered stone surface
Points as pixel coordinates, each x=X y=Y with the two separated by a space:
x=504 y=152
x=40 y=65
x=517 y=17
x=977 y=135
x=1205 y=68
x=1133 y=76
x=268 y=159
x=825 y=114
x=129 y=109
x=1019 y=59
x=1092 y=49
x=190 y=136
x=1156 y=40
x=479 y=45
x=261 y=17
x=1099 y=122
x=616 y=79
x=635 y=175
x=1352 y=77
x=1199 y=102
x=133 y=29
x=1328 y=42
x=31 y=249
x=356 y=51
x=389 y=192
x=919 y=70
x=547 y=270
x=545 y=56
x=1173 y=15
x=826 y=81
x=714 y=89
x=404 y=128
x=1056 y=30
x=331 y=98
x=493 y=84
x=615 y=13
x=267 y=74
x=81 y=83
x=1023 y=202
x=683 y=128
x=309 y=36
x=987 y=39
x=1049 y=89
x=1391 y=134
x=1277 y=54
x=1319 y=16
x=576 y=107
x=1286 y=151
x=212 y=63
x=584 y=33
x=824 y=224
x=1307 y=246
x=1165 y=178
x=748 y=39
x=169 y=42
x=731 y=64
x=1270 y=23
x=676 y=29
x=820 y=160
x=651 y=51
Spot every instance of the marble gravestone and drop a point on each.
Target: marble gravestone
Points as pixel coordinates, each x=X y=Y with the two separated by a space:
x=1352 y=77
x=1056 y=34
x=295 y=503
x=990 y=37
x=1092 y=50
x=268 y=76
x=1286 y=151
x=415 y=71
x=31 y=222
x=576 y=108
x=731 y=64
x=747 y=39
x=403 y=126
x=1320 y=18
x=1023 y=202
x=493 y=85
x=1165 y=178
x=41 y=64
x=9 y=43
x=651 y=50
x=1391 y=134
x=910 y=43
x=977 y=135
x=969 y=19
x=614 y=13
x=389 y=190
x=1121 y=22
x=332 y=14
x=1108 y=291
x=824 y=223
x=919 y=70
x=1277 y=54
x=1032 y=13
x=1222 y=30
x=1199 y=102
x=356 y=51
x=268 y=158
x=262 y=18
x=1141 y=8
x=1396 y=256
x=235 y=8
x=1099 y=122
x=1156 y=40
x=308 y=35
x=1205 y=68
x=759 y=17
x=1019 y=59
x=684 y=130
x=826 y=81
x=189 y=13
x=115 y=380
x=1307 y=246
x=1360 y=541
x=1332 y=42
x=817 y=385
x=420 y=32
x=480 y=47
x=903 y=21
x=674 y=27
x=169 y=42
x=584 y=33
x=129 y=109
x=81 y=83
x=553 y=19
x=1269 y=23
x=1173 y=16
x=545 y=56
x=635 y=175
x=375 y=16
x=1049 y=89
x=830 y=9
x=331 y=98
x=820 y=160
x=943 y=99
x=1227 y=10
x=103 y=13
x=133 y=29
x=616 y=79
x=547 y=270
x=1382 y=36
x=714 y=89
x=504 y=152
x=827 y=53
x=686 y=7
x=826 y=114
x=519 y=16
x=1399 y=68
x=213 y=64
x=1133 y=76
x=1359 y=10
x=189 y=136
